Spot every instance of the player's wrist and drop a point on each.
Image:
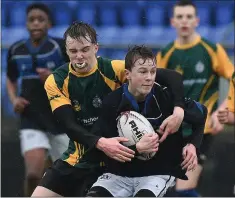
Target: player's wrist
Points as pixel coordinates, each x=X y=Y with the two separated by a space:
x=100 y=143
x=139 y=149
x=179 y=112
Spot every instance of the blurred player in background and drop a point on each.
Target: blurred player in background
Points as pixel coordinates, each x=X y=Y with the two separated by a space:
x=76 y=92
x=32 y=61
x=201 y=63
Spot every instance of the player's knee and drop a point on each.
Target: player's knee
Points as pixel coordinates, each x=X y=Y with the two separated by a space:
x=98 y=191
x=145 y=193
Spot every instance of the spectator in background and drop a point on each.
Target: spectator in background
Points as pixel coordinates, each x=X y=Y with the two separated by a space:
x=201 y=63
x=32 y=60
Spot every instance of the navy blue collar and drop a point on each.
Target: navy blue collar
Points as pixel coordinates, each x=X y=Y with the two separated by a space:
x=32 y=49
x=133 y=101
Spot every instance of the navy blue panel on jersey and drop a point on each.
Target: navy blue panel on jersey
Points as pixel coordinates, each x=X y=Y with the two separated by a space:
x=22 y=62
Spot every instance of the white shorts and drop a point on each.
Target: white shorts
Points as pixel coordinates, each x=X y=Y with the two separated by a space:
x=120 y=186
x=32 y=139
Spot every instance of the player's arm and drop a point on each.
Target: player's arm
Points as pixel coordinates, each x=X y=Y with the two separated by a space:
x=64 y=113
x=106 y=126
x=231 y=101
x=18 y=103
x=193 y=110
x=173 y=81
x=223 y=67
x=195 y=114
x=12 y=76
x=222 y=64
x=226 y=110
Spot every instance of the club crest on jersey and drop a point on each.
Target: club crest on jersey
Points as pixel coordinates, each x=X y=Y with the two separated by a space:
x=97 y=102
x=76 y=105
x=50 y=65
x=199 y=67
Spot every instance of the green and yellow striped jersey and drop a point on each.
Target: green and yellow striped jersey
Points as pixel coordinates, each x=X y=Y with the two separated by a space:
x=84 y=92
x=201 y=63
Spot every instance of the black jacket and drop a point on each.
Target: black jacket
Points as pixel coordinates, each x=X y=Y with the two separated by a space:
x=158 y=105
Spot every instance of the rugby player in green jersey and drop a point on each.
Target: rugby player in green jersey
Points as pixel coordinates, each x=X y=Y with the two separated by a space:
x=201 y=62
x=76 y=91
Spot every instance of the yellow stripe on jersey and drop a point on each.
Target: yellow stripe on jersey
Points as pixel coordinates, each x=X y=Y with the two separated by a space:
x=119 y=69
x=231 y=96
x=73 y=158
x=212 y=54
x=112 y=85
x=210 y=104
x=56 y=97
x=206 y=87
x=163 y=61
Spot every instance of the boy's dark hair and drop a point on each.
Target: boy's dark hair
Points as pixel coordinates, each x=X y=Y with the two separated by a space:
x=41 y=7
x=80 y=29
x=185 y=3
x=136 y=53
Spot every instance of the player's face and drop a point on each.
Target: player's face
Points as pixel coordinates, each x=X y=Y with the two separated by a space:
x=184 y=20
x=82 y=53
x=38 y=24
x=142 y=77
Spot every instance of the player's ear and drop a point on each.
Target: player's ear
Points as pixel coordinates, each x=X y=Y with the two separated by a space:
x=96 y=48
x=197 y=21
x=127 y=73
x=49 y=24
x=172 y=22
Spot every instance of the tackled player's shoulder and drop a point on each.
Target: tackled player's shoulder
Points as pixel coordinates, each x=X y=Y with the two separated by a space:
x=113 y=98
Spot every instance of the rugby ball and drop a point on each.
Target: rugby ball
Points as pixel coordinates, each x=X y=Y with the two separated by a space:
x=133 y=126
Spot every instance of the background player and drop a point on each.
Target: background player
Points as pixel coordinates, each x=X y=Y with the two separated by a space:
x=32 y=60
x=226 y=110
x=201 y=63
x=76 y=92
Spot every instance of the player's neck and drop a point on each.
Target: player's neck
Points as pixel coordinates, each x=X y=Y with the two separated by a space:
x=138 y=97
x=37 y=42
x=187 y=40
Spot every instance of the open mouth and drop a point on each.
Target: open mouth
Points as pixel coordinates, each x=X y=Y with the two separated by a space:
x=80 y=65
x=184 y=28
x=36 y=31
